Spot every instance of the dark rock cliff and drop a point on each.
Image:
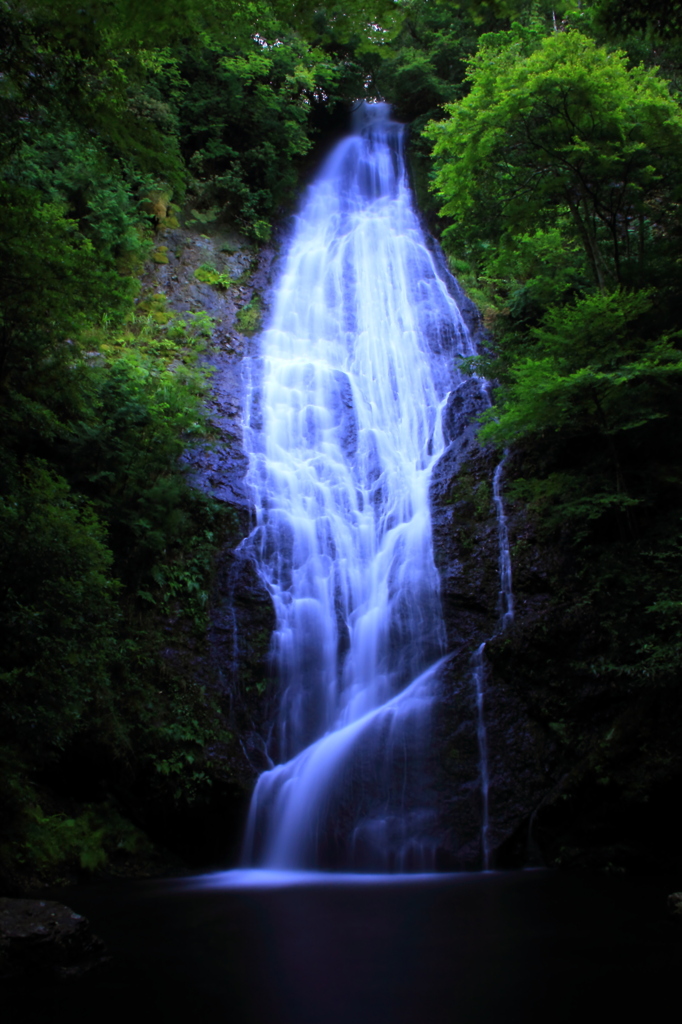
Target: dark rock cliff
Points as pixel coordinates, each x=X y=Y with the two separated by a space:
x=466 y=547
x=232 y=661
x=581 y=774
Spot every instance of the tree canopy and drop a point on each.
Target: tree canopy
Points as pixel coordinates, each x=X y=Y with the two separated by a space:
x=557 y=128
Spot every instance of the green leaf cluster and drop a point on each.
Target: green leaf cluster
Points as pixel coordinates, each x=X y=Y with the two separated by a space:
x=559 y=131
x=559 y=173
x=208 y=274
x=244 y=122
x=95 y=839
x=249 y=316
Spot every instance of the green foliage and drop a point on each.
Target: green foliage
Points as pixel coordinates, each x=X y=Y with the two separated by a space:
x=207 y=217
x=425 y=64
x=558 y=176
x=57 y=603
x=41 y=368
x=560 y=172
x=261 y=230
x=556 y=128
x=630 y=589
x=90 y=841
x=101 y=539
x=244 y=121
x=148 y=407
x=659 y=19
x=208 y=274
x=175 y=748
x=249 y=316
x=539 y=269
x=110 y=111
x=592 y=370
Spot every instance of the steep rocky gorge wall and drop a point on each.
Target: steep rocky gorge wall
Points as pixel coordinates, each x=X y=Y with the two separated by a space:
x=467 y=553
x=466 y=544
x=466 y=548
x=233 y=662
x=552 y=799
x=580 y=775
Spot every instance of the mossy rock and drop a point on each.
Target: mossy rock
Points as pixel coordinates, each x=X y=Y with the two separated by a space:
x=249 y=316
x=261 y=230
x=153 y=304
x=211 y=275
x=160 y=255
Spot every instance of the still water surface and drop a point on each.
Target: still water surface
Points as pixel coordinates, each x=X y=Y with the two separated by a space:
x=256 y=948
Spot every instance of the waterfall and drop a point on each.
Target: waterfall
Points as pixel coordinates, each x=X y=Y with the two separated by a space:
x=505 y=603
x=505 y=609
x=343 y=428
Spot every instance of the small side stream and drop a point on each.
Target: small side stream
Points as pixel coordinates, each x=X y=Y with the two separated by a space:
x=505 y=608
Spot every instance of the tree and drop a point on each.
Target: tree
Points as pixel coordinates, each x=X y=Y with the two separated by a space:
x=558 y=127
x=598 y=396
x=560 y=172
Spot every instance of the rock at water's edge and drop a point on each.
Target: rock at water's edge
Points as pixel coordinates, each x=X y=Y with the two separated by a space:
x=675 y=905
x=46 y=938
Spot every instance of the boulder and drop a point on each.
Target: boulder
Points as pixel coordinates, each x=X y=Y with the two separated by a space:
x=675 y=905
x=45 y=938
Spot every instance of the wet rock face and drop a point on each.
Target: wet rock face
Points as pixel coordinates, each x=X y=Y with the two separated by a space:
x=46 y=939
x=464 y=524
x=521 y=766
x=582 y=770
x=242 y=615
x=221 y=471
x=242 y=623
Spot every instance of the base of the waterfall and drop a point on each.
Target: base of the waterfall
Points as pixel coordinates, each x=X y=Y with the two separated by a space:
x=273 y=878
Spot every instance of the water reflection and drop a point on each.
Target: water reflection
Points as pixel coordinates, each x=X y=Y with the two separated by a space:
x=301 y=948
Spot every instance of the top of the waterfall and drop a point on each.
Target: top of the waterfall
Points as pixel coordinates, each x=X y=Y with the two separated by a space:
x=371 y=115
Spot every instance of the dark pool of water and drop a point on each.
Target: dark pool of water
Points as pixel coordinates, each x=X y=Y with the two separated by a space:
x=457 y=949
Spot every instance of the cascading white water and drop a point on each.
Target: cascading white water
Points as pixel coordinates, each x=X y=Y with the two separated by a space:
x=343 y=425
x=505 y=603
